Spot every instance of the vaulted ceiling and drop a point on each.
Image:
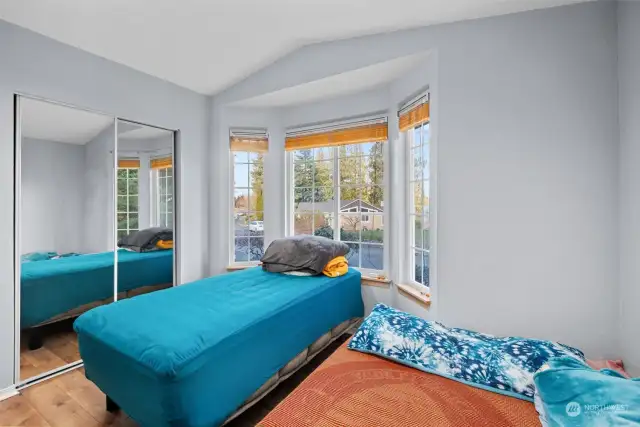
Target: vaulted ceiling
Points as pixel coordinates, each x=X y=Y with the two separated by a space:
x=208 y=45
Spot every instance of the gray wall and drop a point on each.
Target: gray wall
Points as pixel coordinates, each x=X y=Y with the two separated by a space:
x=52 y=196
x=34 y=64
x=527 y=159
x=629 y=110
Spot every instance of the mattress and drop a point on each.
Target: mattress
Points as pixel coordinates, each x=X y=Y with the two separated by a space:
x=52 y=287
x=361 y=390
x=193 y=354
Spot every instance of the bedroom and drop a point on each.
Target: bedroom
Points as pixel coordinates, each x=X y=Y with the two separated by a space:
x=535 y=198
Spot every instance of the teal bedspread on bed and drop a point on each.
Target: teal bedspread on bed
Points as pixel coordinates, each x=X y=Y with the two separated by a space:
x=191 y=355
x=52 y=287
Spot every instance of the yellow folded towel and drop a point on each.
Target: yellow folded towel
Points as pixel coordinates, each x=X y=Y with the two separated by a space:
x=336 y=267
x=165 y=244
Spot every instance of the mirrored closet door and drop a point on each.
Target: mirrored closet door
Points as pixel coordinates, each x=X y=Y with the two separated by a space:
x=144 y=209
x=65 y=236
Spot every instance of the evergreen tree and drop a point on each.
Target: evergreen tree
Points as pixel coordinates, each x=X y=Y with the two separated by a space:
x=257 y=183
x=350 y=170
x=375 y=170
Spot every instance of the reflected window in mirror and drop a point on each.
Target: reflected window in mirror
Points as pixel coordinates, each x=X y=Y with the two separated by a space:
x=128 y=191
x=162 y=181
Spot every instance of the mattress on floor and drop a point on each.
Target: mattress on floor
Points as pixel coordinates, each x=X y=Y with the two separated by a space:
x=52 y=287
x=361 y=390
x=191 y=355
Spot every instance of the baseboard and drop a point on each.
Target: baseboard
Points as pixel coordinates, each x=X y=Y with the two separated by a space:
x=7 y=393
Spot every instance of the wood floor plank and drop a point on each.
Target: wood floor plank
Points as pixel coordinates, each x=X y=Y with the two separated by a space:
x=57 y=407
x=18 y=412
x=41 y=360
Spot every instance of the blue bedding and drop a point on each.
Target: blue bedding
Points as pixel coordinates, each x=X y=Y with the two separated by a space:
x=55 y=286
x=191 y=355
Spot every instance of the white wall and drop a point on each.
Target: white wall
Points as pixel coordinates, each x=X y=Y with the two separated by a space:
x=629 y=110
x=527 y=165
x=98 y=199
x=37 y=65
x=52 y=196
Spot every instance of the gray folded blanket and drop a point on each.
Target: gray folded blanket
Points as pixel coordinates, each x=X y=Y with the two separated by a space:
x=145 y=240
x=302 y=253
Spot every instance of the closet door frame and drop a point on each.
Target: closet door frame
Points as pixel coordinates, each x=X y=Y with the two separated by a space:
x=175 y=172
x=17 y=211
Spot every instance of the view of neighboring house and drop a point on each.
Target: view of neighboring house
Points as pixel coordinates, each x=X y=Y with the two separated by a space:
x=345 y=222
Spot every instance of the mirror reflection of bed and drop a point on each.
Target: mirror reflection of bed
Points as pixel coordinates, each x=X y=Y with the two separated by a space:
x=88 y=197
x=66 y=238
x=144 y=209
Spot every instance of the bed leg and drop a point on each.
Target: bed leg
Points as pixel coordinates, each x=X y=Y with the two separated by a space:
x=112 y=406
x=35 y=339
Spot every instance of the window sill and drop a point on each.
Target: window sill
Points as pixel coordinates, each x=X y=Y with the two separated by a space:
x=237 y=267
x=374 y=281
x=411 y=292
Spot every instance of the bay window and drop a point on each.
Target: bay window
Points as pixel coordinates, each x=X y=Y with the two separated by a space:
x=336 y=187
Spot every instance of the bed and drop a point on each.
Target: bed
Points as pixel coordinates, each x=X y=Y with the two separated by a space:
x=52 y=290
x=197 y=354
x=361 y=390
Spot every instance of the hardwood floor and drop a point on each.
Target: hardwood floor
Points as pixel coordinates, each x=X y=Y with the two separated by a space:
x=60 y=347
x=70 y=400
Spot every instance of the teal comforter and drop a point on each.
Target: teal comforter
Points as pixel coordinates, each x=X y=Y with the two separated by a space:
x=53 y=287
x=191 y=355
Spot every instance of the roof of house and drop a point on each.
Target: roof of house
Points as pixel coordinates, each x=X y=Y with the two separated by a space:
x=328 y=206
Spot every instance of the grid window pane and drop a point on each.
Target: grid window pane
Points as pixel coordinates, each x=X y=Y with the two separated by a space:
x=358 y=213
x=419 y=202
x=248 y=206
x=127 y=201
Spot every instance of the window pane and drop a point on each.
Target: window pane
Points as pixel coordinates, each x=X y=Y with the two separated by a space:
x=353 y=257
x=350 y=226
x=373 y=198
x=122 y=204
x=323 y=153
x=241 y=175
x=349 y=194
x=351 y=170
x=133 y=203
x=424 y=233
x=256 y=248
x=323 y=174
x=169 y=220
x=256 y=224
x=323 y=198
x=416 y=162
x=122 y=186
x=122 y=233
x=303 y=198
x=418 y=266
x=241 y=249
x=372 y=228
x=256 y=199
x=323 y=224
x=256 y=157
x=425 y=268
x=374 y=168
x=417 y=229
x=122 y=173
x=303 y=172
x=417 y=137
x=372 y=256
x=133 y=221
x=133 y=174
x=122 y=221
x=241 y=225
x=240 y=157
x=418 y=197
x=256 y=174
x=241 y=200
x=132 y=184
x=302 y=223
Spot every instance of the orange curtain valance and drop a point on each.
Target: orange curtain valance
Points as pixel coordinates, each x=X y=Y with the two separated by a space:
x=414 y=117
x=129 y=163
x=377 y=132
x=253 y=144
x=162 y=162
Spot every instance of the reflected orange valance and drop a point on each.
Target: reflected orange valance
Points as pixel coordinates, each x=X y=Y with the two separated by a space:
x=161 y=162
x=129 y=163
x=414 y=117
x=377 y=132
x=253 y=144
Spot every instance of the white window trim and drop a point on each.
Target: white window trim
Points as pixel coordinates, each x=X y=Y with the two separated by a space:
x=155 y=194
x=290 y=203
x=231 y=224
x=127 y=195
x=409 y=264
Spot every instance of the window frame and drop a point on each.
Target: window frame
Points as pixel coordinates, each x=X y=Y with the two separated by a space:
x=156 y=197
x=231 y=216
x=335 y=214
x=409 y=209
